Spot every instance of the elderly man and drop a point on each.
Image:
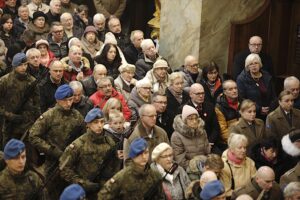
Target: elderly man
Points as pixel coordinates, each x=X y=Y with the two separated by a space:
x=191 y=71
x=99 y=23
x=15 y=181
x=89 y=84
x=134 y=49
x=145 y=63
x=114 y=26
x=37 y=5
x=106 y=91
x=158 y=76
x=147 y=129
x=255 y=46
x=85 y=154
x=110 y=7
x=206 y=111
x=134 y=181
x=227 y=110
x=70 y=29
x=50 y=136
x=58 y=41
x=35 y=68
x=292 y=84
x=10 y=8
x=21 y=23
x=54 y=11
x=263 y=185
x=292 y=191
x=80 y=102
x=19 y=99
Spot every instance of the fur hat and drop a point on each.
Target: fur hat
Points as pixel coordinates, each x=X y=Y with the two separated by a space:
x=159 y=149
x=37 y=14
x=288 y=145
x=187 y=111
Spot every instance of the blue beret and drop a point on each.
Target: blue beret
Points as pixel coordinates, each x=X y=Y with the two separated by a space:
x=95 y=113
x=63 y=91
x=19 y=59
x=13 y=148
x=73 y=192
x=138 y=146
x=212 y=189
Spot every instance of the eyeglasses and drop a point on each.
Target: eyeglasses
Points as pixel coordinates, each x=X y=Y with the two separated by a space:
x=198 y=93
x=192 y=118
x=106 y=86
x=194 y=65
x=255 y=45
x=166 y=156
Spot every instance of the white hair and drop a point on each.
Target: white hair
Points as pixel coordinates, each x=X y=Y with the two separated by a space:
x=32 y=51
x=51 y=4
x=289 y=79
x=98 y=17
x=235 y=139
x=76 y=85
x=146 y=43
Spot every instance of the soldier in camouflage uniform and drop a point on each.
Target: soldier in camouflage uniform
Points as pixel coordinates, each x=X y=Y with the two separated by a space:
x=15 y=181
x=54 y=131
x=134 y=181
x=19 y=100
x=86 y=155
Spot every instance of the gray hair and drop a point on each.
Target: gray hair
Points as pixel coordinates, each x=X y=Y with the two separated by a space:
x=236 y=139
x=98 y=17
x=143 y=109
x=64 y=15
x=250 y=58
x=32 y=51
x=174 y=76
x=132 y=34
x=291 y=189
x=289 y=79
x=51 y=4
x=145 y=43
x=76 y=85
x=101 y=80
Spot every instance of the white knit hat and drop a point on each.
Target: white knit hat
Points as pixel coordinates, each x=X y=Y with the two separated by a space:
x=187 y=111
x=143 y=83
x=159 y=149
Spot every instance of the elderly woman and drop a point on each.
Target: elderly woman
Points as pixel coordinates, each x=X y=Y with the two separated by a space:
x=125 y=82
x=176 y=97
x=256 y=84
x=189 y=138
x=39 y=25
x=80 y=102
x=248 y=125
x=90 y=42
x=211 y=82
x=139 y=96
x=174 y=185
x=76 y=66
x=158 y=76
x=238 y=169
x=47 y=56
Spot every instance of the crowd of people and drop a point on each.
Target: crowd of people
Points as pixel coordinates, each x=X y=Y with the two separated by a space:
x=88 y=112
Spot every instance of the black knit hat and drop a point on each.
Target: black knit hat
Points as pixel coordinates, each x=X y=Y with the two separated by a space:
x=294 y=135
x=39 y=14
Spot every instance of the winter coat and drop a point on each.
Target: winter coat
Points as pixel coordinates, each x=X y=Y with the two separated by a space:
x=157 y=86
x=218 y=90
x=249 y=89
x=91 y=49
x=277 y=124
x=226 y=116
x=241 y=174
x=293 y=175
x=242 y=127
x=131 y=54
x=89 y=86
x=19 y=28
x=143 y=65
x=70 y=74
x=110 y=7
x=188 y=80
x=100 y=100
x=61 y=50
x=179 y=183
x=123 y=88
x=40 y=33
x=187 y=142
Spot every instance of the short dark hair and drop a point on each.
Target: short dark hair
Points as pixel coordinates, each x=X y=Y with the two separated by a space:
x=208 y=67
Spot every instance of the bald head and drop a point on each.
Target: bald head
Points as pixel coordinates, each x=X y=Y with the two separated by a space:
x=99 y=71
x=206 y=177
x=244 y=197
x=191 y=64
x=265 y=177
x=255 y=44
x=197 y=93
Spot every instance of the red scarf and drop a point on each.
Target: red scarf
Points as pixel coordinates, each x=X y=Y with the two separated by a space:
x=233 y=158
x=233 y=104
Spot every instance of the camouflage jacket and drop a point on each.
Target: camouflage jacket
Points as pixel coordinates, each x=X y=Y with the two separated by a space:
x=85 y=155
x=54 y=128
x=22 y=186
x=12 y=91
x=131 y=183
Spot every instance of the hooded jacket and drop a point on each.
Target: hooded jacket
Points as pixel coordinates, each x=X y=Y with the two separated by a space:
x=187 y=142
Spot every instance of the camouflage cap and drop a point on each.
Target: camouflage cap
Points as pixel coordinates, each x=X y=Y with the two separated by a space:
x=13 y=148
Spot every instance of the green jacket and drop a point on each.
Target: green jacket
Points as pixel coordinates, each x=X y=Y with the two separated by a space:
x=131 y=183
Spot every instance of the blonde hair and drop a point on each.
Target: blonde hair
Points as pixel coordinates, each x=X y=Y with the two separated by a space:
x=111 y=102
x=115 y=115
x=246 y=104
x=235 y=139
x=174 y=76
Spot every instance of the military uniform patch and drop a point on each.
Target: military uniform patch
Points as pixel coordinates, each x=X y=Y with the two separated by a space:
x=41 y=117
x=72 y=146
x=112 y=180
